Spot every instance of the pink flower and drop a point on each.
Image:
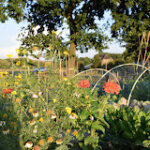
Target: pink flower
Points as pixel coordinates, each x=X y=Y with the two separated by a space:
x=84 y=84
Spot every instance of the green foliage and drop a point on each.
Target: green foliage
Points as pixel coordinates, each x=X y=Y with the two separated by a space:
x=131 y=19
x=12 y=9
x=141 y=91
x=96 y=61
x=79 y=16
x=129 y=128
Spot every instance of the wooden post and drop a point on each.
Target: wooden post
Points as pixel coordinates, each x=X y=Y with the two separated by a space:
x=59 y=63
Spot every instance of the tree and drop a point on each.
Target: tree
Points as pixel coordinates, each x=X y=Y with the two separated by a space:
x=131 y=19
x=13 y=9
x=80 y=17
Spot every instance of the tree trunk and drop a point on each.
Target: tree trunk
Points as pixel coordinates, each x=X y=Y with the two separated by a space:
x=71 y=60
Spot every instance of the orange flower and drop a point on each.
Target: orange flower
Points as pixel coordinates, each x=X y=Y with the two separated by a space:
x=41 y=142
x=31 y=110
x=5 y=115
x=18 y=100
x=76 y=85
x=75 y=133
x=111 y=87
x=35 y=48
x=50 y=139
x=36 y=147
x=49 y=112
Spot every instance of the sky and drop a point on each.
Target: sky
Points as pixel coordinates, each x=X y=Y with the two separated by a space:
x=8 y=41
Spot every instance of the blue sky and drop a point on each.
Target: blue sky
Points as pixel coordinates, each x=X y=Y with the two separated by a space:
x=8 y=41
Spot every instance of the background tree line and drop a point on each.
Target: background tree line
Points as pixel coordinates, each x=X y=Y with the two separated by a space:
x=130 y=20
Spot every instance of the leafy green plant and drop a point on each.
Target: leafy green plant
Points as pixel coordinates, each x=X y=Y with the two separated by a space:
x=129 y=128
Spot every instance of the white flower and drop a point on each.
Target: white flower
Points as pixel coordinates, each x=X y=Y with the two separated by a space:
x=29 y=144
x=76 y=95
x=53 y=116
x=32 y=122
x=35 y=114
x=35 y=130
x=72 y=117
x=36 y=126
x=34 y=96
x=2 y=123
x=6 y=131
x=92 y=118
x=40 y=93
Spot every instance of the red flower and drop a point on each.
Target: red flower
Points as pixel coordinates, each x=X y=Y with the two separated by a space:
x=84 y=84
x=111 y=87
x=7 y=91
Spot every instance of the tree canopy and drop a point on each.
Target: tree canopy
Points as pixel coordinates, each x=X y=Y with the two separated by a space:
x=12 y=8
x=131 y=19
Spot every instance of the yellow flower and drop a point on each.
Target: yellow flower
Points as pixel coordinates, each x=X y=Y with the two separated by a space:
x=5 y=115
x=40 y=72
x=5 y=84
x=41 y=119
x=86 y=97
x=31 y=110
x=18 y=51
x=13 y=92
x=18 y=63
x=86 y=122
x=50 y=47
x=54 y=100
x=18 y=100
x=24 y=52
x=47 y=63
x=75 y=133
x=66 y=53
x=68 y=83
x=74 y=115
x=50 y=139
x=9 y=55
x=16 y=83
x=68 y=131
x=4 y=96
x=19 y=75
x=68 y=110
x=53 y=32
x=23 y=66
x=3 y=74
x=41 y=142
x=65 y=79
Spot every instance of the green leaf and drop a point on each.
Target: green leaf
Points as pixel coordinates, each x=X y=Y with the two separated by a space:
x=97 y=125
x=84 y=114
